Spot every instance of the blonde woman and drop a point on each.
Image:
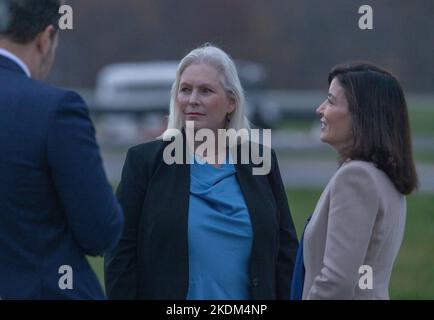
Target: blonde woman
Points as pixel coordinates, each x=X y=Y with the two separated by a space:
x=197 y=230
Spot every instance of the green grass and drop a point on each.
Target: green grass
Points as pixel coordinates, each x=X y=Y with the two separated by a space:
x=422 y=119
x=302 y=202
x=97 y=264
x=425 y=157
x=413 y=274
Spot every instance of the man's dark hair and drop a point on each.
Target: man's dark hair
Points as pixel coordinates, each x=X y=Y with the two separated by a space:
x=27 y=18
x=380 y=123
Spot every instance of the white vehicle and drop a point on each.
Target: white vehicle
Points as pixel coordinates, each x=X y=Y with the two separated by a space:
x=136 y=86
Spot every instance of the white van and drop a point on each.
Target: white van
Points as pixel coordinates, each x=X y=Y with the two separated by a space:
x=136 y=86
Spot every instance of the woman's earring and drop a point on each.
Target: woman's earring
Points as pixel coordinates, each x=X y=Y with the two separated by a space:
x=228 y=118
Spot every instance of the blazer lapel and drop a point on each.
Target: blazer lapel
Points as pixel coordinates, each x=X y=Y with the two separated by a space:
x=166 y=230
x=260 y=203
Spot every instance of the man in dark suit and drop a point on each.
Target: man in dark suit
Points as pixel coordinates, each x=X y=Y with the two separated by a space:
x=56 y=205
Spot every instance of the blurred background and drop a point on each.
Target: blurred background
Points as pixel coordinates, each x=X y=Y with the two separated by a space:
x=122 y=56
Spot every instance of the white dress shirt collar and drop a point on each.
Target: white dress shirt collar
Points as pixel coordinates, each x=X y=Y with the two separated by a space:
x=15 y=59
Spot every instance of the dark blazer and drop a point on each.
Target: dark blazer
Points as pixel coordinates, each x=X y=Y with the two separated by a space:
x=151 y=259
x=56 y=204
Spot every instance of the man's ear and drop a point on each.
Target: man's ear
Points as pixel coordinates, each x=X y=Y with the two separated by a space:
x=45 y=39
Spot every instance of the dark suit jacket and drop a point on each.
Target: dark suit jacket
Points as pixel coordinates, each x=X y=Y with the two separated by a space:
x=151 y=259
x=56 y=205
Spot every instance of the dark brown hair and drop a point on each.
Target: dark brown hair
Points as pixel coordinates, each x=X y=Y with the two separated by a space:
x=380 y=124
x=27 y=18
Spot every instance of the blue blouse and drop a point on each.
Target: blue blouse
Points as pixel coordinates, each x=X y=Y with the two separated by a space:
x=219 y=234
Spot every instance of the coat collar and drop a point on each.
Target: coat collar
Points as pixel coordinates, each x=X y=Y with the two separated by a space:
x=11 y=65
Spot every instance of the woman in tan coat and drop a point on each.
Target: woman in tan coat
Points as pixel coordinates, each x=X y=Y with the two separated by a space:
x=354 y=235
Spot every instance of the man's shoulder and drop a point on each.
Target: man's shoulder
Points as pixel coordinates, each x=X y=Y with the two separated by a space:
x=36 y=98
x=37 y=90
x=44 y=90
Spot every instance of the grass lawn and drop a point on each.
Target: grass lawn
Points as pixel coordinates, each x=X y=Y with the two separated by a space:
x=413 y=276
x=422 y=119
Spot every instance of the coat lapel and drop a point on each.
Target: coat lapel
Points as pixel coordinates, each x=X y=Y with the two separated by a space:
x=260 y=203
x=6 y=63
